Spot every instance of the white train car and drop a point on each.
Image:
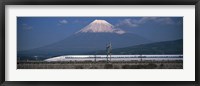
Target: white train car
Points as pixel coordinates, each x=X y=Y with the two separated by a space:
x=114 y=57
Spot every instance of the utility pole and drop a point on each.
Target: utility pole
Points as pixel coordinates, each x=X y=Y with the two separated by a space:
x=95 y=58
x=108 y=51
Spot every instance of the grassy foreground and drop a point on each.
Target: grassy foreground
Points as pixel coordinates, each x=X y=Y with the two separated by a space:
x=101 y=65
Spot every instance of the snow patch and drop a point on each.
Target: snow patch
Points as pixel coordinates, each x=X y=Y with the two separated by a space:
x=100 y=26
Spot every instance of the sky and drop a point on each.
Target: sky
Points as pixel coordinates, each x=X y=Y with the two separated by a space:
x=35 y=32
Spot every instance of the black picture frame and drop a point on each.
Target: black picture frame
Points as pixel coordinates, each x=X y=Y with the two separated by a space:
x=99 y=2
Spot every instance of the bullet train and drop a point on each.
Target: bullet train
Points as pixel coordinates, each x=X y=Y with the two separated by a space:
x=114 y=57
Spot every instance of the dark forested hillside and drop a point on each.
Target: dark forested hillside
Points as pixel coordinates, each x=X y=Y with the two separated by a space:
x=166 y=47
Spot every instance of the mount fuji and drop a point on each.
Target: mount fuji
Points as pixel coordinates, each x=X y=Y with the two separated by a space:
x=100 y=26
x=93 y=37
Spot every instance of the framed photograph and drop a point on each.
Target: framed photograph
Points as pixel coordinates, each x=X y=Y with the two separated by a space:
x=109 y=42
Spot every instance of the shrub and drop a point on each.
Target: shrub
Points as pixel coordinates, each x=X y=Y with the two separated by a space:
x=78 y=67
x=161 y=65
x=108 y=66
x=151 y=66
x=126 y=66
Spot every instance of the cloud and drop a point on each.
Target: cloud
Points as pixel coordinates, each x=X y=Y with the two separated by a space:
x=26 y=27
x=127 y=23
x=161 y=20
x=63 y=22
x=137 y=22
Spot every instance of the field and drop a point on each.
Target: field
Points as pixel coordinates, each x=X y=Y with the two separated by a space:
x=170 y=64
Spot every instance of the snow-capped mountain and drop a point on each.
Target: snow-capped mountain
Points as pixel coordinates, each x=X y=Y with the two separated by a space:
x=100 y=26
x=93 y=37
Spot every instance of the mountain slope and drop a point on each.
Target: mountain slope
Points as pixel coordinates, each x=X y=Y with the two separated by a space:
x=80 y=43
x=166 y=47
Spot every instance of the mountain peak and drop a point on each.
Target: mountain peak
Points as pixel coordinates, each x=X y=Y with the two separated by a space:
x=100 y=26
x=101 y=21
